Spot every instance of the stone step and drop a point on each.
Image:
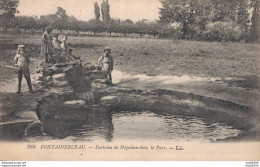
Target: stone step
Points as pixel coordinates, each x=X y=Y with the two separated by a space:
x=16 y=129
x=75 y=104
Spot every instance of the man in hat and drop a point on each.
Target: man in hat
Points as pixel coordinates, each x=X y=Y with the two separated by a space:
x=107 y=63
x=22 y=61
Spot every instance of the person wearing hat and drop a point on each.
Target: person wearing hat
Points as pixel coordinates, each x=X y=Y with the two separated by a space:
x=46 y=45
x=22 y=61
x=106 y=62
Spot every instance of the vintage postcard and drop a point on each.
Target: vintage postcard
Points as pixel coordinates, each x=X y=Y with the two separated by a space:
x=129 y=80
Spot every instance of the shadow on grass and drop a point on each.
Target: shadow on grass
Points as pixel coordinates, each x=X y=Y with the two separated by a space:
x=6 y=46
x=248 y=82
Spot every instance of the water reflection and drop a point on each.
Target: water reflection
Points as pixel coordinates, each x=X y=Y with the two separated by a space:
x=150 y=126
x=90 y=124
x=98 y=127
x=146 y=125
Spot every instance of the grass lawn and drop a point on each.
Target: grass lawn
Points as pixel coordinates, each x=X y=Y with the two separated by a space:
x=149 y=56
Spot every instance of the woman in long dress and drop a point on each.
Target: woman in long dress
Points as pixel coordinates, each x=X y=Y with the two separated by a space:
x=46 y=46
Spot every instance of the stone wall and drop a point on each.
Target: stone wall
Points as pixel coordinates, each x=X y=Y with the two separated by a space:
x=70 y=87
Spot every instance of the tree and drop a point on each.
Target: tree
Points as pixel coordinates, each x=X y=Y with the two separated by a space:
x=26 y=22
x=182 y=12
x=112 y=26
x=222 y=31
x=255 y=27
x=243 y=16
x=194 y=15
x=97 y=11
x=224 y=9
x=154 y=28
x=8 y=9
x=126 y=27
x=105 y=10
x=74 y=24
x=168 y=31
x=62 y=19
x=141 y=27
x=95 y=26
x=199 y=18
x=47 y=20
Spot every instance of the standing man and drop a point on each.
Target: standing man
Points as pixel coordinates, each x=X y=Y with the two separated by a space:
x=22 y=61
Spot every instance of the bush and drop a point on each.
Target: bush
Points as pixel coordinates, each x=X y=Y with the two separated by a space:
x=168 y=31
x=222 y=31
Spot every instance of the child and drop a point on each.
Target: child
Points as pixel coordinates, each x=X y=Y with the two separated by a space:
x=56 y=45
x=63 y=45
x=22 y=61
x=106 y=62
x=55 y=42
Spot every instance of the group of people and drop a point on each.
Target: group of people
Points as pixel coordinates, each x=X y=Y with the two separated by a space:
x=51 y=45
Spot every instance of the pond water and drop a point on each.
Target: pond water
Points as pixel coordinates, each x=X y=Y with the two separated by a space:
x=146 y=125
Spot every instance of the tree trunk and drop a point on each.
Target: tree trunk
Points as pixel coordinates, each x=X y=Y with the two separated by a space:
x=184 y=29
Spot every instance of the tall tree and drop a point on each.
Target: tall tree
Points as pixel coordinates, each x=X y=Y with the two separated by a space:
x=62 y=19
x=61 y=12
x=255 y=27
x=8 y=9
x=187 y=13
x=97 y=11
x=224 y=9
x=176 y=11
x=105 y=10
x=243 y=15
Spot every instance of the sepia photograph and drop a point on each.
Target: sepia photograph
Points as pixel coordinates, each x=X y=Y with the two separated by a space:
x=129 y=80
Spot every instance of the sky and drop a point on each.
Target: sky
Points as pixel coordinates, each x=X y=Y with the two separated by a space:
x=84 y=9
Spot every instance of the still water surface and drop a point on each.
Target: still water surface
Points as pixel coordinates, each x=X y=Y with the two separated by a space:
x=147 y=125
